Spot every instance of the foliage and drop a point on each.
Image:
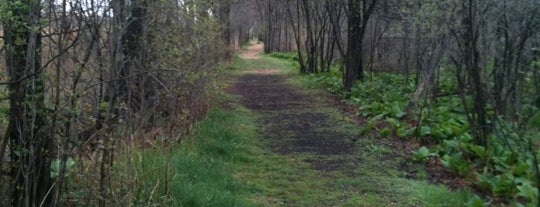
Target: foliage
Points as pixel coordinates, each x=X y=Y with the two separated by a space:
x=56 y=166
x=422 y=154
x=377 y=97
x=504 y=168
x=286 y=56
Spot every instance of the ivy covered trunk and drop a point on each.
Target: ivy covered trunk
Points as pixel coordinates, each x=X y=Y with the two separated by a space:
x=29 y=144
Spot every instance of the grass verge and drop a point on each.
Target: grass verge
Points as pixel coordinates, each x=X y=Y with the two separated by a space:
x=200 y=170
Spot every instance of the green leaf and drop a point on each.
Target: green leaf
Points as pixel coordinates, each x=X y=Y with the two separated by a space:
x=438 y=133
x=423 y=150
x=485 y=181
x=422 y=154
x=394 y=122
x=526 y=190
x=55 y=168
x=503 y=185
x=534 y=121
x=425 y=130
x=445 y=161
x=456 y=164
x=479 y=151
x=409 y=132
x=56 y=165
x=475 y=202
x=398 y=113
x=385 y=132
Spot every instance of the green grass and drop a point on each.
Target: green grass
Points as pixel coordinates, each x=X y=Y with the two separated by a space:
x=264 y=62
x=201 y=169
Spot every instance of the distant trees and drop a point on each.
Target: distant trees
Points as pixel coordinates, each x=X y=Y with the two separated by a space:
x=317 y=27
x=489 y=45
x=304 y=26
x=275 y=26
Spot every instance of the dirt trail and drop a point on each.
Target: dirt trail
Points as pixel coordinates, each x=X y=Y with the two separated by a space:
x=294 y=122
x=252 y=52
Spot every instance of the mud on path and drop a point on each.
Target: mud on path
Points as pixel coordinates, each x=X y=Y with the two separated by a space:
x=292 y=121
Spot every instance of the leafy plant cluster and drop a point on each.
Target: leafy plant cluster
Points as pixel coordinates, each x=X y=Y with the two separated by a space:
x=504 y=169
x=284 y=55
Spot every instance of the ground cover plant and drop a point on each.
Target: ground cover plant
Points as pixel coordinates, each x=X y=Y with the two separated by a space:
x=505 y=169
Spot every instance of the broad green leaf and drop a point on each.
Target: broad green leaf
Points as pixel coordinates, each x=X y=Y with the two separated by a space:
x=423 y=151
x=526 y=190
x=398 y=113
x=479 y=151
x=394 y=122
x=425 y=130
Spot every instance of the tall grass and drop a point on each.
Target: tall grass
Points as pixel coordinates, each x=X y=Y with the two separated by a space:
x=200 y=170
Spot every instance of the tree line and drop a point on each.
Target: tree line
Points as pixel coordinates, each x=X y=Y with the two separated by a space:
x=488 y=50
x=84 y=82
x=490 y=46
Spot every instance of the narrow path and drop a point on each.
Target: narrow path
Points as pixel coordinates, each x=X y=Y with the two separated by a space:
x=306 y=126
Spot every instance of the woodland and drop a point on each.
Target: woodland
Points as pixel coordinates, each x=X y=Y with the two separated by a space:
x=114 y=102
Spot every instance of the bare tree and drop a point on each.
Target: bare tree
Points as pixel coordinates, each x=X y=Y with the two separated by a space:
x=469 y=61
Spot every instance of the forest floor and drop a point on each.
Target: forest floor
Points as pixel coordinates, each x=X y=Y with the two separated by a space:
x=319 y=157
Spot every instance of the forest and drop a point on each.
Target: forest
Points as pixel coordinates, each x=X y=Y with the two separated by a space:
x=224 y=103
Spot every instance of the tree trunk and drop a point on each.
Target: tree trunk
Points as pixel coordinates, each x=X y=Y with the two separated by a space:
x=296 y=32
x=134 y=52
x=30 y=146
x=469 y=61
x=358 y=15
x=224 y=9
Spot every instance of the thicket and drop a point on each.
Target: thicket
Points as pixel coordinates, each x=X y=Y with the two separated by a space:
x=86 y=84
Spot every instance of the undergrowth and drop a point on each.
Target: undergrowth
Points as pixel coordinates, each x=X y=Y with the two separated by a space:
x=505 y=169
x=200 y=170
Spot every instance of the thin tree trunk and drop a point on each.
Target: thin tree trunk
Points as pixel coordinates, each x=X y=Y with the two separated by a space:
x=30 y=145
